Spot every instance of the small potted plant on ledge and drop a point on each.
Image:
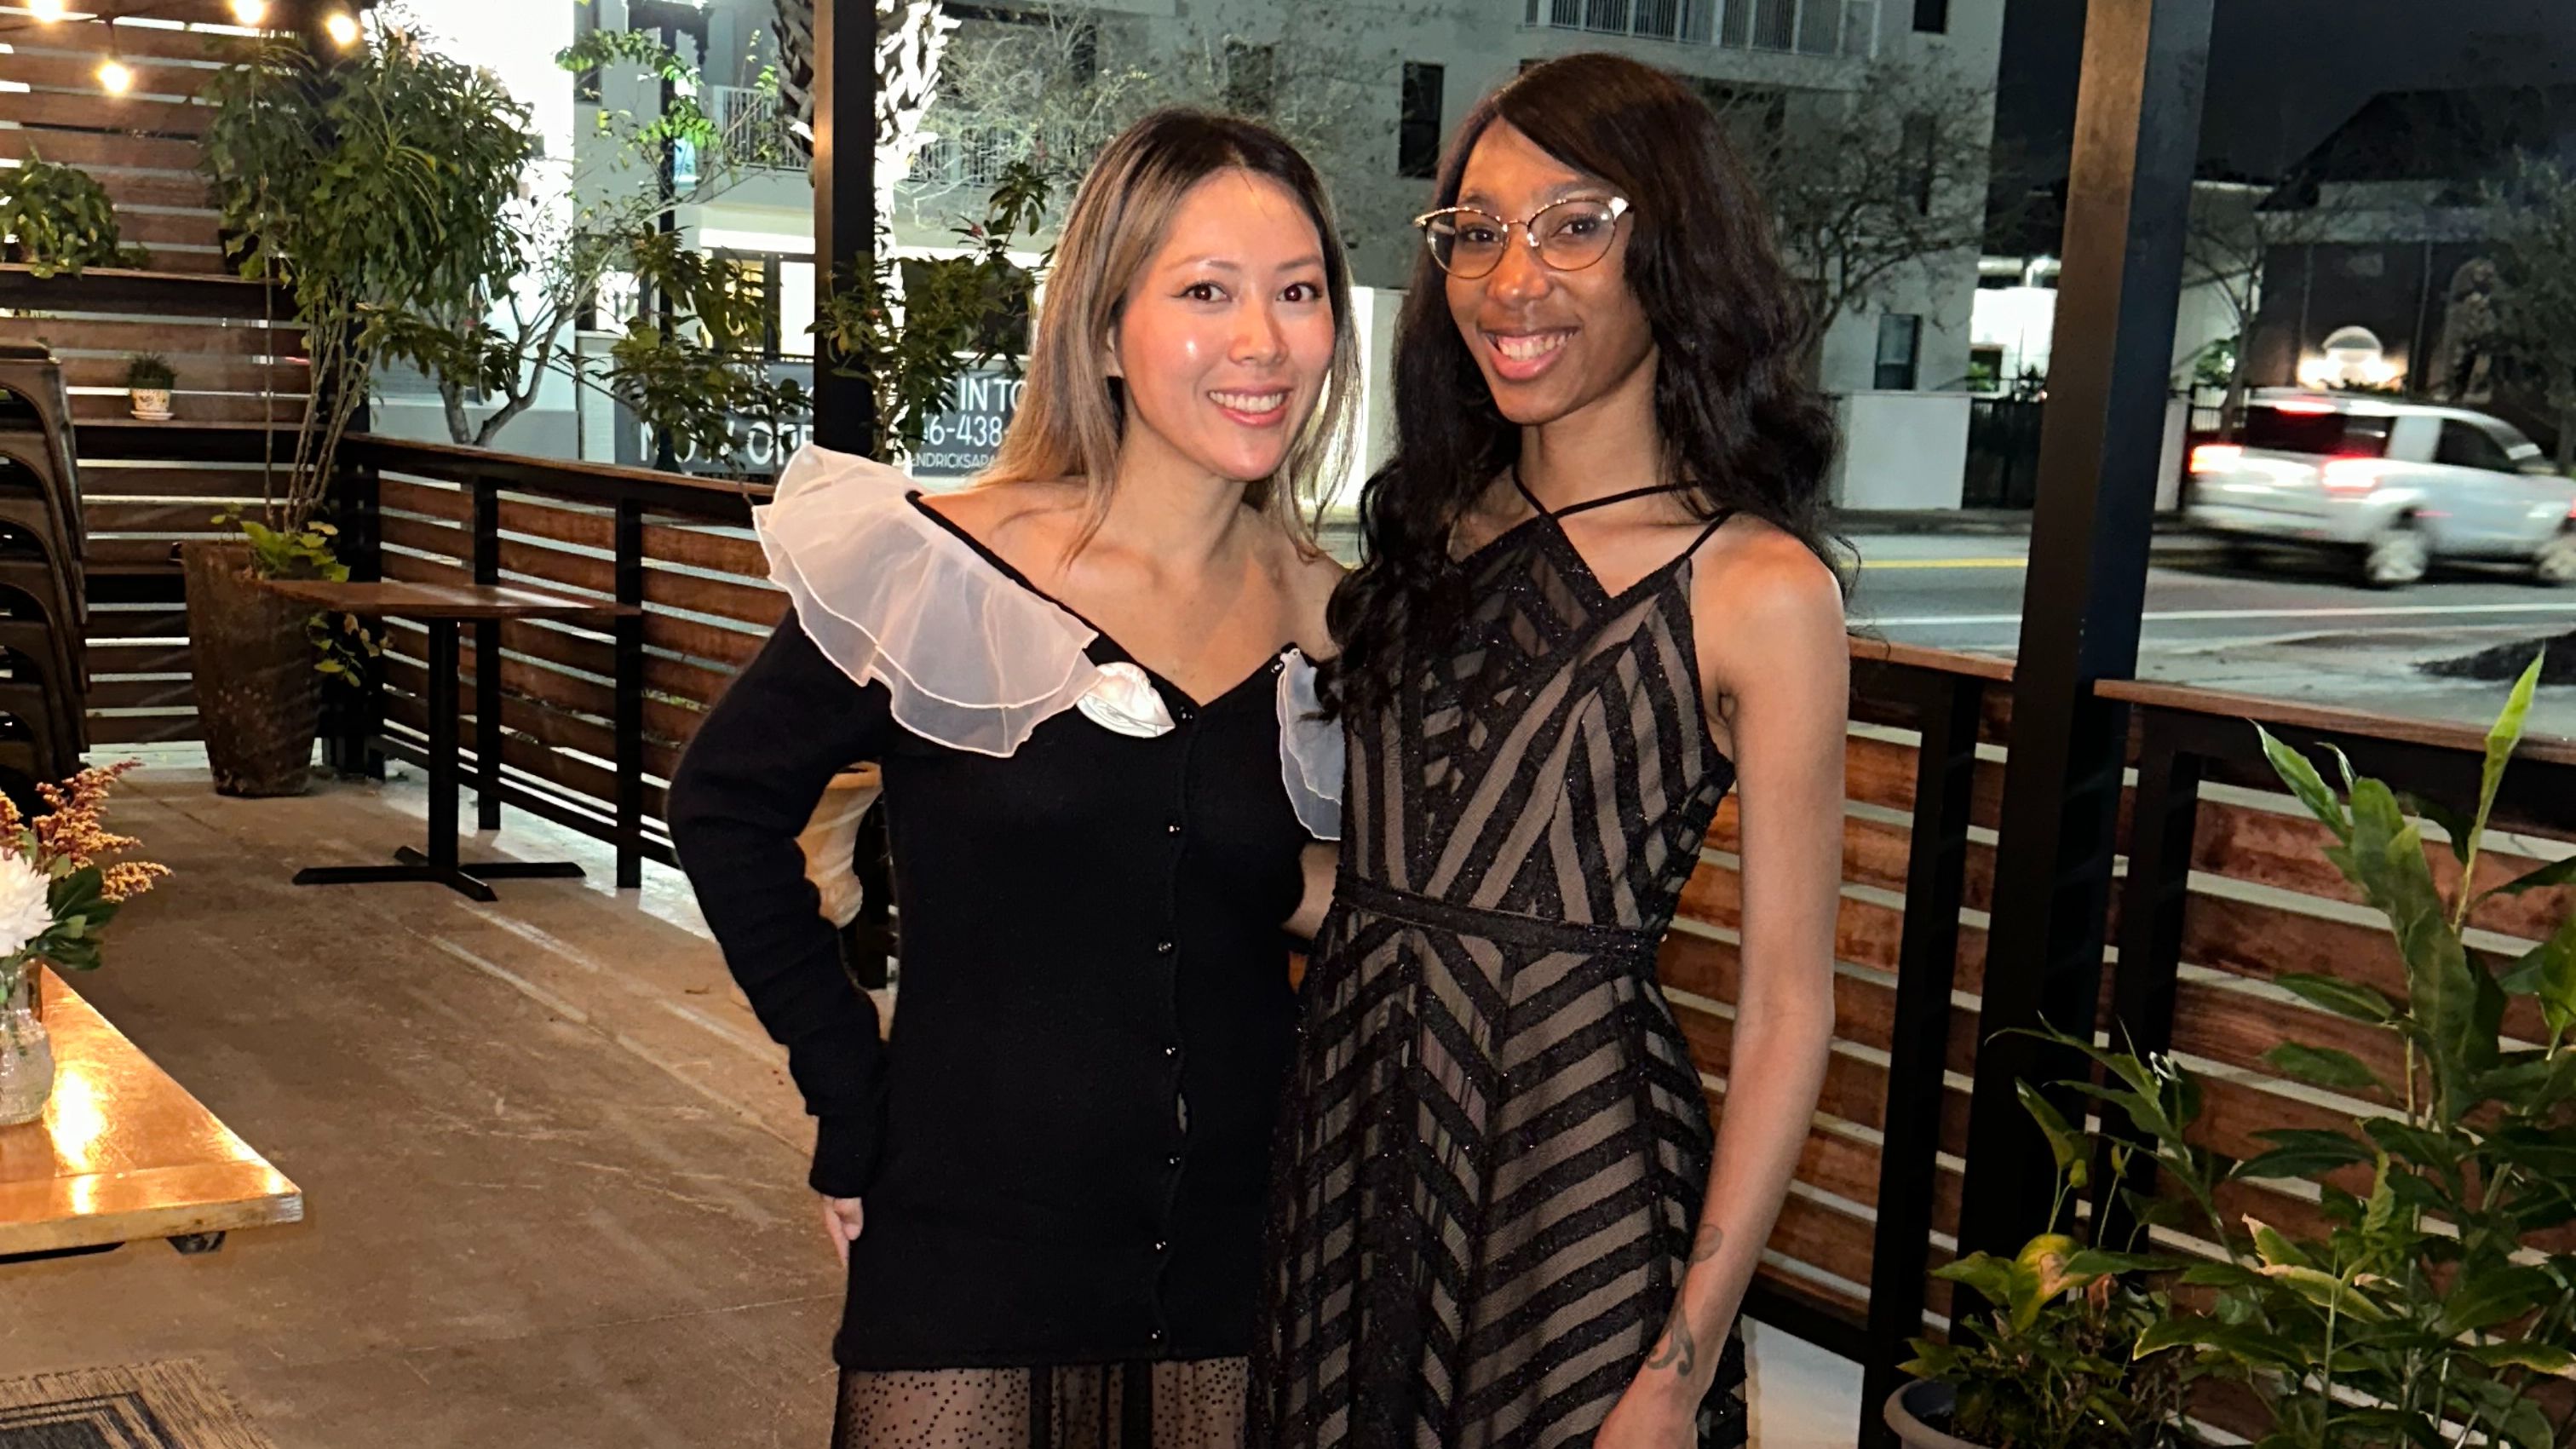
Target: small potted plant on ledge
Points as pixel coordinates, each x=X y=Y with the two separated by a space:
x=58 y=890
x=147 y=385
x=2053 y=1364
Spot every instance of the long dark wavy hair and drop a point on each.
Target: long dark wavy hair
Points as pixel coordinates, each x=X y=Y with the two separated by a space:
x=1742 y=428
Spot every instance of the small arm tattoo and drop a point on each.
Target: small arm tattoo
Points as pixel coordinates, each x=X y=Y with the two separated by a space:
x=1677 y=1352
x=1711 y=1237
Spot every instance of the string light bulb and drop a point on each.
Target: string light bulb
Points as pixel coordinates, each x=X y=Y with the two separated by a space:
x=47 y=9
x=341 y=27
x=114 y=77
x=250 y=12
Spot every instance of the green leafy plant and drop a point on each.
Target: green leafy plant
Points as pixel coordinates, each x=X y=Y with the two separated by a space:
x=147 y=371
x=688 y=361
x=913 y=332
x=342 y=643
x=2052 y=1364
x=59 y=216
x=373 y=184
x=2437 y=1296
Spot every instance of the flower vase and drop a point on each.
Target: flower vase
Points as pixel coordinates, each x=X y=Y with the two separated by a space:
x=26 y=1055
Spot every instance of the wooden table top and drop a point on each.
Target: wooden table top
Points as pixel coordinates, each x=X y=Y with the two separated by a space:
x=408 y=599
x=123 y=1153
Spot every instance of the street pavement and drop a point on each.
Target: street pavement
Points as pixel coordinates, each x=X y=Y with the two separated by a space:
x=2279 y=625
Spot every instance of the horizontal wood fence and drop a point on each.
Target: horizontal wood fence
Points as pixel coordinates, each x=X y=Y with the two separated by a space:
x=2226 y=884
x=680 y=547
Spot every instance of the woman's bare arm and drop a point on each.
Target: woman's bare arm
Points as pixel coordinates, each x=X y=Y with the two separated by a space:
x=1779 y=663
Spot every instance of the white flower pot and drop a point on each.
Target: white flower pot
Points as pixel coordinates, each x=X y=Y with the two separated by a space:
x=152 y=404
x=1922 y=1399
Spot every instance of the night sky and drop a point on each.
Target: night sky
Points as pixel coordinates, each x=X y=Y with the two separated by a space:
x=2283 y=73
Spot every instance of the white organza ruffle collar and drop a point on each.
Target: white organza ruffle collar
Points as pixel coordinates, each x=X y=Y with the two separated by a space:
x=971 y=658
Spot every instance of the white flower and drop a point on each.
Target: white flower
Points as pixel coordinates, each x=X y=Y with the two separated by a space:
x=24 y=915
x=1125 y=702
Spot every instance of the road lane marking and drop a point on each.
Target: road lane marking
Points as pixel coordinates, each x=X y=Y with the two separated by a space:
x=2191 y=616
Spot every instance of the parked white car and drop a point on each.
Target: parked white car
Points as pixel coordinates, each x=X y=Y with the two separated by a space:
x=2394 y=484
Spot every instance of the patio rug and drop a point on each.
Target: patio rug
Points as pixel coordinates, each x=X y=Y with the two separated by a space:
x=165 y=1405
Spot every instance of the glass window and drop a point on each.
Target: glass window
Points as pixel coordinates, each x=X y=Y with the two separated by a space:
x=2320 y=431
x=1932 y=17
x=1900 y=345
x=1921 y=139
x=1417 y=132
x=2466 y=445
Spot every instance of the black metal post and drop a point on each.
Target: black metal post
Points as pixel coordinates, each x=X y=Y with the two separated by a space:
x=1927 y=962
x=487 y=662
x=2137 y=131
x=357 y=706
x=2161 y=826
x=628 y=631
x=845 y=199
x=442 y=702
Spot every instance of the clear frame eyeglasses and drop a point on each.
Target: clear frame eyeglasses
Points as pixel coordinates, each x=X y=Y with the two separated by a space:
x=1568 y=235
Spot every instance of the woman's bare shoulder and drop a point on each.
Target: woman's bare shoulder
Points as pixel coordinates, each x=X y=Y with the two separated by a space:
x=1763 y=597
x=1003 y=514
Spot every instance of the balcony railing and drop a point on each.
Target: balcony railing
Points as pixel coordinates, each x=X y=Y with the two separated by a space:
x=754 y=130
x=1804 y=27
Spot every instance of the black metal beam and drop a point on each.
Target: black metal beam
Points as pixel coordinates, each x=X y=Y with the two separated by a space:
x=2162 y=824
x=2137 y=130
x=1927 y=963
x=845 y=197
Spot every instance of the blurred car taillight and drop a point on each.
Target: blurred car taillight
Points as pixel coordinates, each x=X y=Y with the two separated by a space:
x=2216 y=457
x=2352 y=475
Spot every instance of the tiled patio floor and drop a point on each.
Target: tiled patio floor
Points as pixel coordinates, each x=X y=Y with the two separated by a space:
x=552 y=1167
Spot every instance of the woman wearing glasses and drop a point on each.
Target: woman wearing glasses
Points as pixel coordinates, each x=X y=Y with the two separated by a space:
x=1595 y=597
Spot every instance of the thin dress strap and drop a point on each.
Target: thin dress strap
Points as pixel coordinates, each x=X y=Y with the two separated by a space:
x=1571 y=509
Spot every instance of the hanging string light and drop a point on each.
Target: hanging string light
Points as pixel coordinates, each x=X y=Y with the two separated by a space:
x=47 y=9
x=114 y=76
x=341 y=27
x=250 y=12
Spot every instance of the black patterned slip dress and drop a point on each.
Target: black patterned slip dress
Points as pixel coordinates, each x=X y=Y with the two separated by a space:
x=1494 y=1146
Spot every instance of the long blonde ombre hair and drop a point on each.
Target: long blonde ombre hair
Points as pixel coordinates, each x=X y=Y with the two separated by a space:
x=1072 y=416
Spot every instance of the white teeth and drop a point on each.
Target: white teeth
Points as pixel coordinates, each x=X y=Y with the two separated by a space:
x=1522 y=349
x=1250 y=402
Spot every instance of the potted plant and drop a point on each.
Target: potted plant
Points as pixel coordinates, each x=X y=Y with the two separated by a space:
x=2053 y=1363
x=58 y=890
x=372 y=187
x=2436 y=1303
x=147 y=386
x=58 y=218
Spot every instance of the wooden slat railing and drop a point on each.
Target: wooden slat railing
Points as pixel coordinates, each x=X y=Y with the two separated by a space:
x=2227 y=888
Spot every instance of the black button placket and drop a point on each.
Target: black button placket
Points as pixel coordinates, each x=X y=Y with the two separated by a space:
x=1166 y=959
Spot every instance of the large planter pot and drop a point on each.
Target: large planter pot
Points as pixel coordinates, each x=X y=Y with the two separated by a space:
x=1909 y=1409
x=259 y=698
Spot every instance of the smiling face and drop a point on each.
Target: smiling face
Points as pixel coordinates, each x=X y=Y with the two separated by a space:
x=1550 y=343
x=1225 y=338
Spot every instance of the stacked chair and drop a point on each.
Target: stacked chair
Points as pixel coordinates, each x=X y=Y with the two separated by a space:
x=44 y=606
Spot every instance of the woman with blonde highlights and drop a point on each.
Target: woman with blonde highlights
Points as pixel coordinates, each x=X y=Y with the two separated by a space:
x=1085 y=680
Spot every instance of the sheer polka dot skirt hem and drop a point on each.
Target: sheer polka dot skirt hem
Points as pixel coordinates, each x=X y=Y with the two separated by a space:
x=1193 y=1405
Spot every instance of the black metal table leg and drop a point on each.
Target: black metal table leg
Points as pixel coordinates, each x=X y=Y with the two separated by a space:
x=487 y=724
x=439 y=863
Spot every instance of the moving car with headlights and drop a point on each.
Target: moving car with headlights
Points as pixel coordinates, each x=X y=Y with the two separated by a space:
x=2395 y=485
